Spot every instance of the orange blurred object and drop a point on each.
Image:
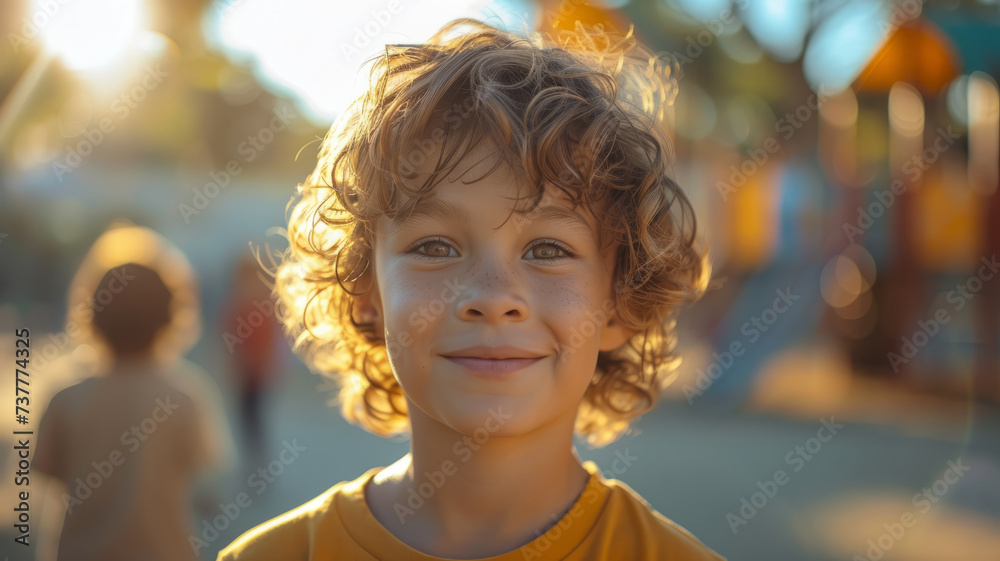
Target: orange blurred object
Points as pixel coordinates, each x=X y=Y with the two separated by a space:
x=917 y=53
x=563 y=14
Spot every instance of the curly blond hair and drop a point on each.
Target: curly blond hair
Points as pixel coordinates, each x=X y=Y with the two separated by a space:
x=577 y=110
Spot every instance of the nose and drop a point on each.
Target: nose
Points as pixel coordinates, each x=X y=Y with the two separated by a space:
x=493 y=293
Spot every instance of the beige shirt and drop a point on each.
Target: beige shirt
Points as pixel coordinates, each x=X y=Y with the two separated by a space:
x=128 y=446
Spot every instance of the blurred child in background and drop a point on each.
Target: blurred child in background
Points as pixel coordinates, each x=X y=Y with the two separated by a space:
x=130 y=443
x=251 y=337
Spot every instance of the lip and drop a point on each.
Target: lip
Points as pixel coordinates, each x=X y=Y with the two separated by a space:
x=500 y=352
x=494 y=367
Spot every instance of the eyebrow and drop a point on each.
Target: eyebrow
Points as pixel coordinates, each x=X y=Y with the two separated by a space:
x=444 y=210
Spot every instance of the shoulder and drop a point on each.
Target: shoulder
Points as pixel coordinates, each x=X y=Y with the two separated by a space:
x=287 y=536
x=71 y=397
x=196 y=393
x=191 y=379
x=653 y=534
x=75 y=390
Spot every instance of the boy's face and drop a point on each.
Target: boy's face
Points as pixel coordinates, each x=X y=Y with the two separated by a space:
x=443 y=284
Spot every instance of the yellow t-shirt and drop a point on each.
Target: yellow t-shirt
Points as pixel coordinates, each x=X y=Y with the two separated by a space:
x=608 y=521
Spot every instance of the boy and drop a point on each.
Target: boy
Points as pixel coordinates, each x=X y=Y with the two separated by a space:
x=490 y=337
x=129 y=444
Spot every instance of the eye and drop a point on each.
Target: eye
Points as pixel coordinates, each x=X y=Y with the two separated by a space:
x=436 y=244
x=435 y=248
x=551 y=255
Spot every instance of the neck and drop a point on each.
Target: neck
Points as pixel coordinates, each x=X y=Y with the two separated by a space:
x=132 y=361
x=479 y=497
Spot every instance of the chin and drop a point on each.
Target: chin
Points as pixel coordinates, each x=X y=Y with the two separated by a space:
x=495 y=416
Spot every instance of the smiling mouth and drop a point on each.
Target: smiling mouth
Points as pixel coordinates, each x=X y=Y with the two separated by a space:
x=493 y=367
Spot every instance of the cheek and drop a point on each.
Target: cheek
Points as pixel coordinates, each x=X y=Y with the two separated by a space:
x=412 y=309
x=405 y=331
x=565 y=306
x=568 y=300
x=574 y=318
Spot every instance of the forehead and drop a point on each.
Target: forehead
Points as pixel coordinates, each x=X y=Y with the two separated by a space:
x=549 y=210
x=481 y=177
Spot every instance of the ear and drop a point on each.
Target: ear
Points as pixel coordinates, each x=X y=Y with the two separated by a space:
x=614 y=333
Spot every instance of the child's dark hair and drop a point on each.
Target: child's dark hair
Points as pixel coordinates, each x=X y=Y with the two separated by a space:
x=131 y=305
x=115 y=305
x=579 y=111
